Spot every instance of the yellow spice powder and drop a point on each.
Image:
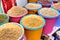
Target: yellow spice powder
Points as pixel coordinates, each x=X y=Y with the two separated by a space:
x=10 y=31
x=32 y=21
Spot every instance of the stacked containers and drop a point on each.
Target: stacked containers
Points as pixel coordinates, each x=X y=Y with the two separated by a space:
x=50 y=20
x=33 y=25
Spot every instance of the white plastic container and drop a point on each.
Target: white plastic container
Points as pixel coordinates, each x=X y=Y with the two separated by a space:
x=21 y=2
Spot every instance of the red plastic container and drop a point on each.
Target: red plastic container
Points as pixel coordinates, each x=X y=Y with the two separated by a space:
x=48 y=28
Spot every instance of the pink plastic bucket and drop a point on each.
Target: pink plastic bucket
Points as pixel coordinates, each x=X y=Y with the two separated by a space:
x=17 y=19
x=48 y=28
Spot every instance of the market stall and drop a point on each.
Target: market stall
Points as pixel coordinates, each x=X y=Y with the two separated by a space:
x=29 y=20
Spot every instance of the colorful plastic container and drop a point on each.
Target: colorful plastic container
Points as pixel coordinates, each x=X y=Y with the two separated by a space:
x=33 y=33
x=48 y=28
x=48 y=16
x=17 y=18
x=11 y=23
x=50 y=23
x=33 y=10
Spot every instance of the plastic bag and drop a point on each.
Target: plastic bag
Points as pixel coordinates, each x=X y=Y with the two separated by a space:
x=7 y=4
